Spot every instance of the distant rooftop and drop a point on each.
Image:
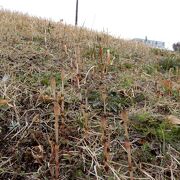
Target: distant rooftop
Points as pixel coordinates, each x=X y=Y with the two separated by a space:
x=152 y=43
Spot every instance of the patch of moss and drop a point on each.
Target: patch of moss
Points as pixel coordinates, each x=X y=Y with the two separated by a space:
x=94 y=98
x=39 y=39
x=149 y=68
x=147 y=154
x=78 y=172
x=127 y=82
x=41 y=78
x=93 y=52
x=150 y=126
x=159 y=52
x=118 y=101
x=176 y=95
x=44 y=78
x=171 y=62
x=80 y=122
x=128 y=65
x=167 y=132
x=139 y=97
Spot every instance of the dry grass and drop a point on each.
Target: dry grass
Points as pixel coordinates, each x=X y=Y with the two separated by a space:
x=58 y=82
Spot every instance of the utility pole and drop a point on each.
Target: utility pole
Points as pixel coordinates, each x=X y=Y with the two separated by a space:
x=76 y=19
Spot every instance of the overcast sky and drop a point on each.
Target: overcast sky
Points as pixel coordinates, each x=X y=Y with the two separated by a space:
x=156 y=19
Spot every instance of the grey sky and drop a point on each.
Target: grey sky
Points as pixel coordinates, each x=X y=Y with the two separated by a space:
x=156 y=19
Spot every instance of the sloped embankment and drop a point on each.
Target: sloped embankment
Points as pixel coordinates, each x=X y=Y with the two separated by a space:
x=64 y=96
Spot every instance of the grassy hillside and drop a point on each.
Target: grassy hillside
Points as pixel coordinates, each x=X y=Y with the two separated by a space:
x=77 y=104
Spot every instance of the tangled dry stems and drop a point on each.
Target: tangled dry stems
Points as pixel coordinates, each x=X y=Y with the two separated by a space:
x=95 y=75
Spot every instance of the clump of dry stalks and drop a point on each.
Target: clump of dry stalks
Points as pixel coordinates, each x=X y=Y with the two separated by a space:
x=62 y=98
x=55 y=147
x=105 y=133
x=105 y=142
x=124 y=116
x=58 y=112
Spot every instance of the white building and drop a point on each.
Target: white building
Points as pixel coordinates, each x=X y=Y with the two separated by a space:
x=152 y=43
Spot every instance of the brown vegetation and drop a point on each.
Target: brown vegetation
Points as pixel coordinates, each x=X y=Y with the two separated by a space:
x=62 y=90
